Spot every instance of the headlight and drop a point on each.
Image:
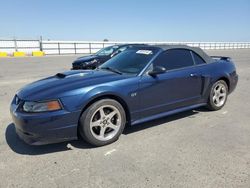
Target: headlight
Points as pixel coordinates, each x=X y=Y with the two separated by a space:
x=91 y=62
x=41 y=106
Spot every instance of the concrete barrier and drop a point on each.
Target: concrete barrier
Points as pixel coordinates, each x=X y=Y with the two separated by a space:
x=19 y=54
x=38 y=53
x=3 y=54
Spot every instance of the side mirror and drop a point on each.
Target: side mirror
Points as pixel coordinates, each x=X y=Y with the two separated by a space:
x=157 y=70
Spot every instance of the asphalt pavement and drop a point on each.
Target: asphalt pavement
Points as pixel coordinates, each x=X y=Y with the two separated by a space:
x=197 y=148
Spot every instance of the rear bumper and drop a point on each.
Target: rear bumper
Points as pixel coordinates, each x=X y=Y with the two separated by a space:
x=45 y=128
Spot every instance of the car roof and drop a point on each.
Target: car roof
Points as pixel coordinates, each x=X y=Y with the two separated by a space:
x=121 y=45
x=197 y=50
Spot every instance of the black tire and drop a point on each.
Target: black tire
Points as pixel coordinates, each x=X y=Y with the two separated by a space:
x=87 y=133
x=211 y=103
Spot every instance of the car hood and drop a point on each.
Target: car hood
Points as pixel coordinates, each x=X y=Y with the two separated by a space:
x=64 y=84
x=85 y=59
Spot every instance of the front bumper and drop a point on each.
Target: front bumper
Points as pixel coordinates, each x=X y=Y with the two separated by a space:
x=84 y=66
x=233 y=82
x=78 y=67
x=45 y=128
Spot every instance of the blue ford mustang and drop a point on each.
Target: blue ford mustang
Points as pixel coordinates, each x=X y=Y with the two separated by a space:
x=137 y=85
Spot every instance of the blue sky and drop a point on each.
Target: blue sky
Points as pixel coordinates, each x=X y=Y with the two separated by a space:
x=127 y=20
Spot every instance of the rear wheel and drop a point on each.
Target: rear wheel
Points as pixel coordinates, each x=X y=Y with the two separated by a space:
x=218 y=95
x=102 y=122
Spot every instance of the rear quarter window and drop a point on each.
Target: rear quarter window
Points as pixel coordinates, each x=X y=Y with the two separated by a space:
x=198 y=60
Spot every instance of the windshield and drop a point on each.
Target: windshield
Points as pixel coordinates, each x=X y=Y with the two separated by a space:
x=130 y=61
x=107 y=51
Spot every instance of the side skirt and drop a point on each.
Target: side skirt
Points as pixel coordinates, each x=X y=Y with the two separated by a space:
x=157 y=116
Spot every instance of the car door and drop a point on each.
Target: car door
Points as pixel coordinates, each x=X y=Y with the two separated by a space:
x=179 y=86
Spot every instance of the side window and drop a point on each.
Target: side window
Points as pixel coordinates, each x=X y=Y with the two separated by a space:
x=174 y=59
x=122 y=48
x=118 y=51
x=198 y=60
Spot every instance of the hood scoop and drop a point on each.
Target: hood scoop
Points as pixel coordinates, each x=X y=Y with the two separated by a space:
x=60 y=75
x=73 y=74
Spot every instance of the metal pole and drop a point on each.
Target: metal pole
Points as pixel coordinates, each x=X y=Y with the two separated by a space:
x=75 y=47
x=90 y=51
x=15 y=43
x=58 y=44
x=41 y=43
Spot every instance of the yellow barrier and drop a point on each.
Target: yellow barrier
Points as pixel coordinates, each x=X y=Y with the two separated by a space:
x=3 y=54
x=38 y=53
x=19 y=54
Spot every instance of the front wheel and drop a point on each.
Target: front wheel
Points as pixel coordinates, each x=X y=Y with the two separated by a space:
x=102 y=122
x=218 y=95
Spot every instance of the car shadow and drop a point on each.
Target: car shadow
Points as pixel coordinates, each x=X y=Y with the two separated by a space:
x=20 y=147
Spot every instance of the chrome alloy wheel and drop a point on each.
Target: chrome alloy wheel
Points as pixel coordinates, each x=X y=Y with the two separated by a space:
x=105 y=122
x=219 y=95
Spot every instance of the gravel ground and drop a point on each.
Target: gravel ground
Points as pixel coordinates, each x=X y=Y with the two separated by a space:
x=196 y=148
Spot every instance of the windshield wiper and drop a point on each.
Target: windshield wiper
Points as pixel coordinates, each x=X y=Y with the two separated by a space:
x=111 y=69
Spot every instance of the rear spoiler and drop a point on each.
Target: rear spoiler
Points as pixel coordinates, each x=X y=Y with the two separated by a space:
x=221 y=58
